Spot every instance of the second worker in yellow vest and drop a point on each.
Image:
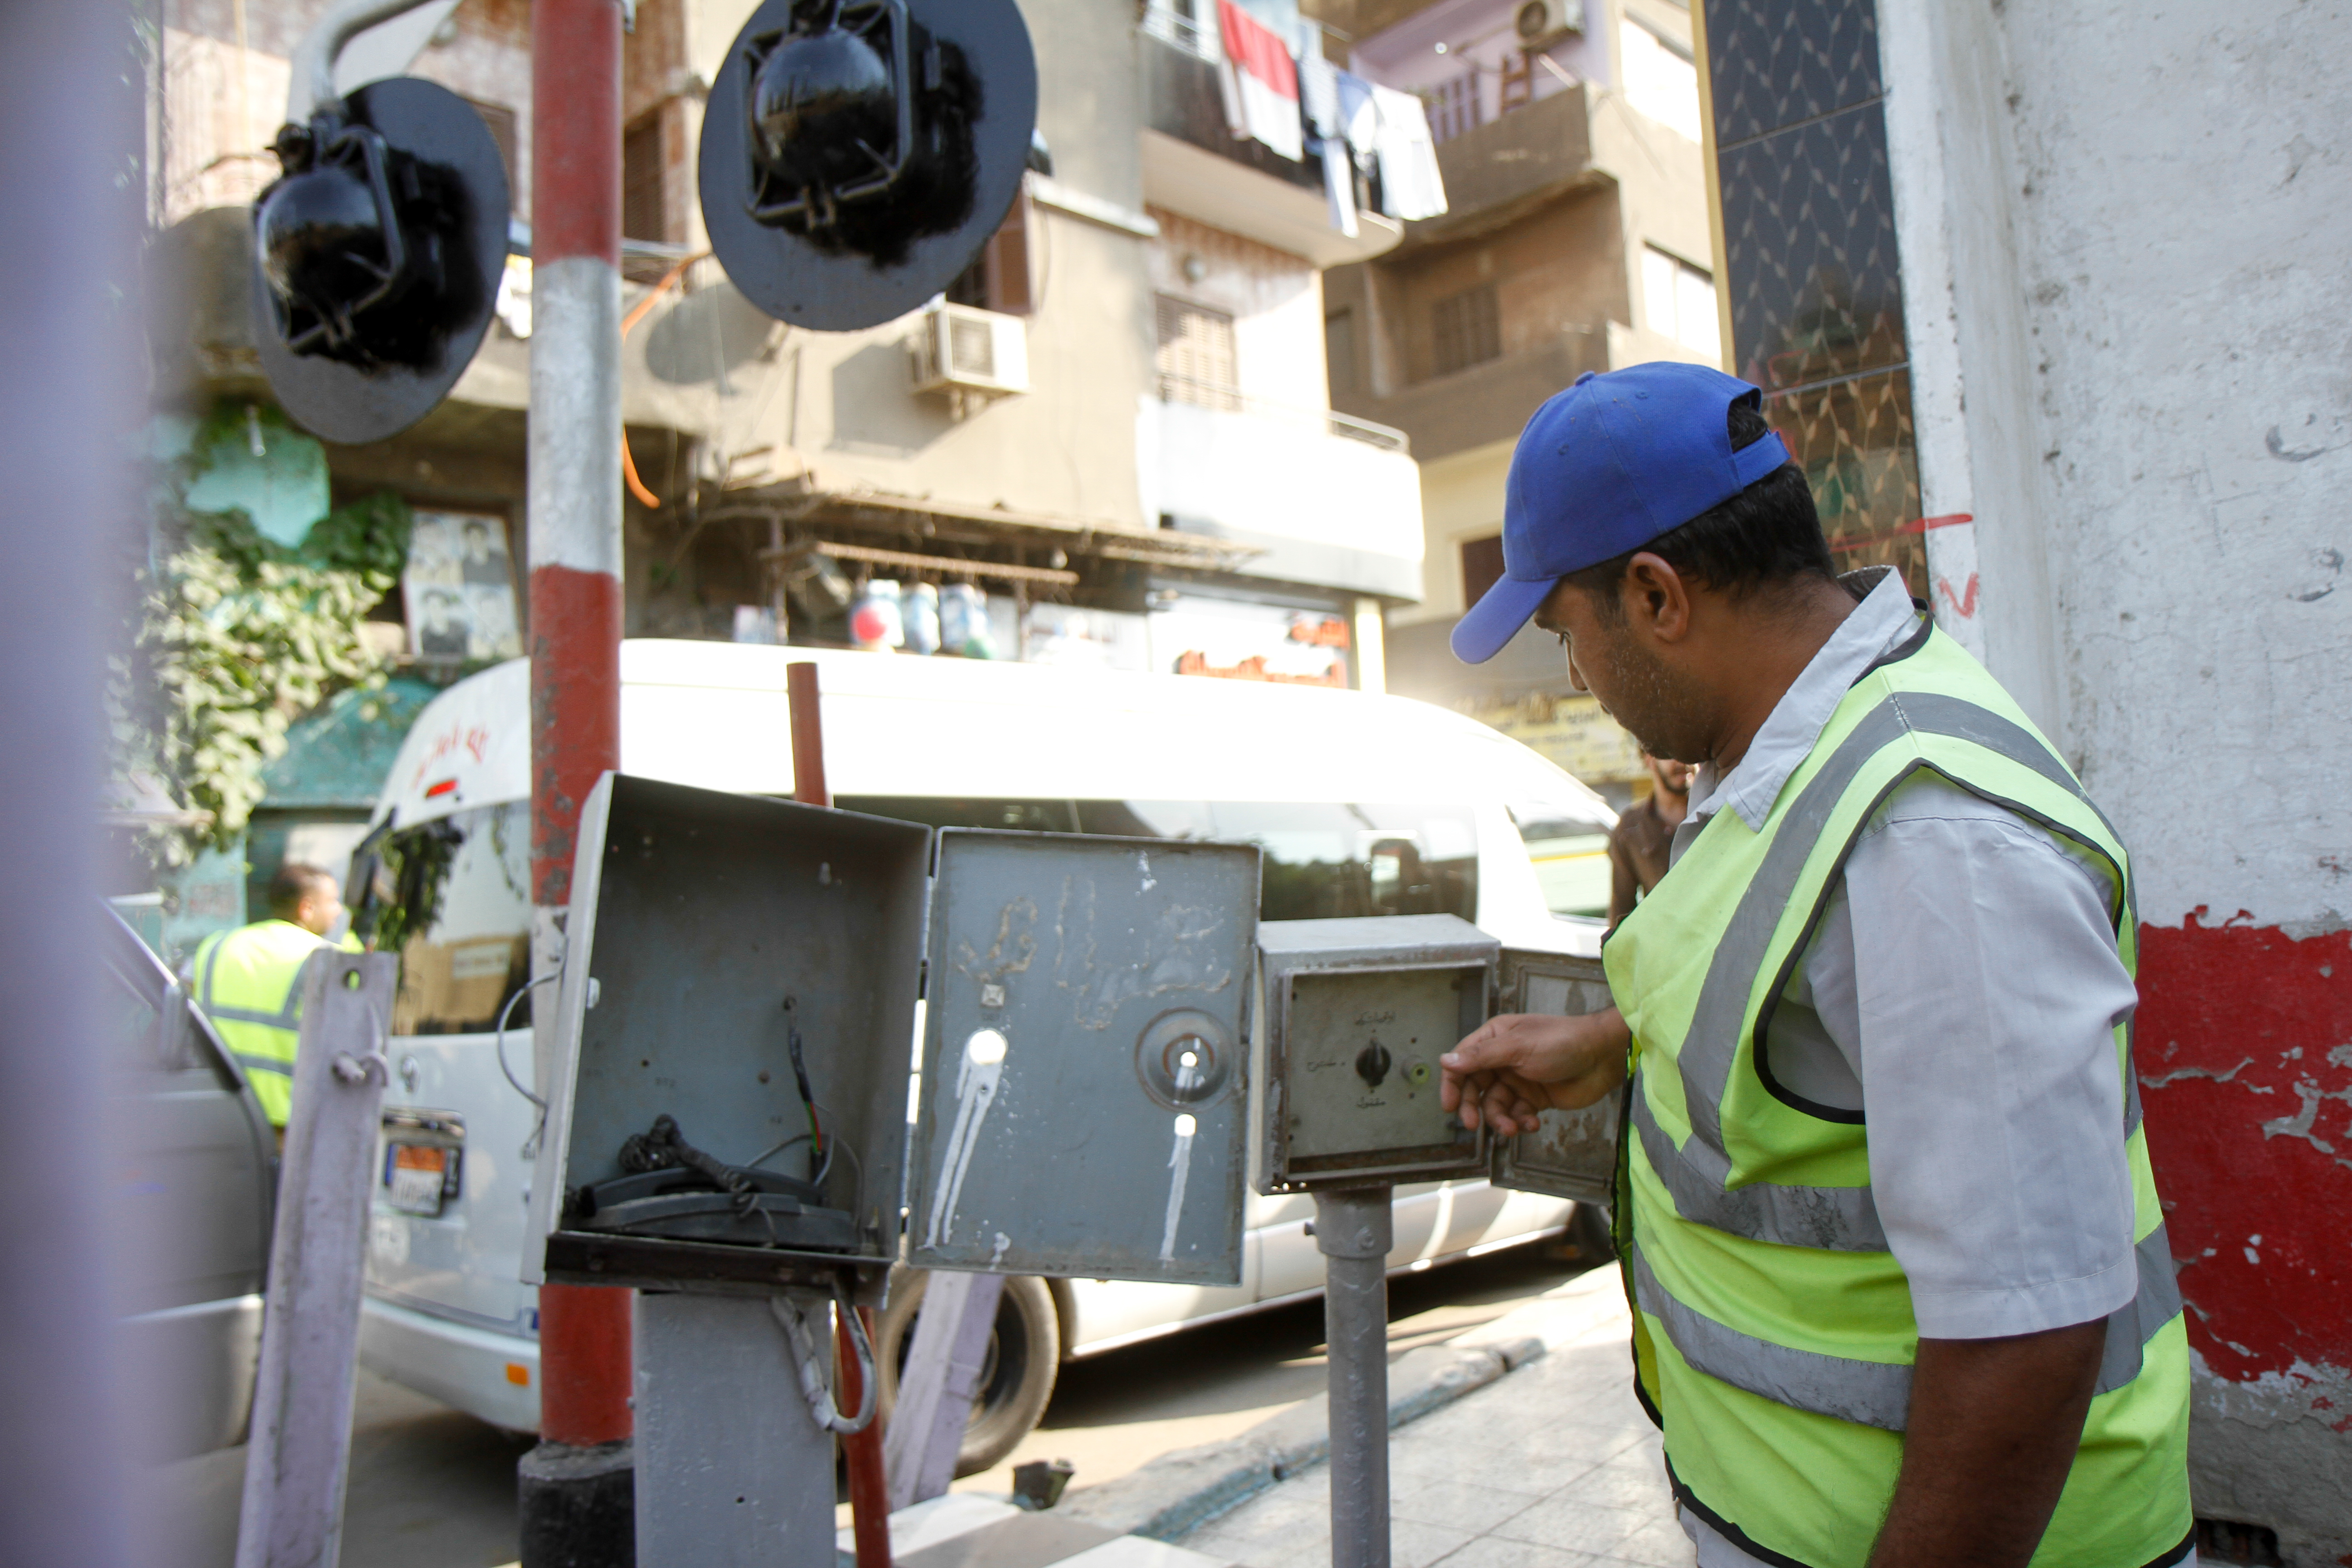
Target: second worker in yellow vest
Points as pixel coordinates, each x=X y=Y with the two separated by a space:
x=246 y=980
x=1900 y=1285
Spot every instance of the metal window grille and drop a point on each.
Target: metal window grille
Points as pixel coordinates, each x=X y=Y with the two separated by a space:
x=1196 y=355
x=1466 y=329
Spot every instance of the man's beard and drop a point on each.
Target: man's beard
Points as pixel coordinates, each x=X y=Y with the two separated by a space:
x=1650 y=703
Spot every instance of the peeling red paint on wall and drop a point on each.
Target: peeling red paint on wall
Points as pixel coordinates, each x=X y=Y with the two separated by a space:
x=2244 y=1048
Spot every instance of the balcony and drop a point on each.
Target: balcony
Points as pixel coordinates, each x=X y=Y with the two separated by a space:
x=1194 y=165
x=1325 y=499
x=1487 y=403
x=1520 y=159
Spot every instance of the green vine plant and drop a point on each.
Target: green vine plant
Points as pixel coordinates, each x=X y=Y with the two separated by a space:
x=237 y=636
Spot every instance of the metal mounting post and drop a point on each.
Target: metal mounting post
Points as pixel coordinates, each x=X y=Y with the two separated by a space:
x=1353 y=1230
x=292 y=1515
x=731 y=1470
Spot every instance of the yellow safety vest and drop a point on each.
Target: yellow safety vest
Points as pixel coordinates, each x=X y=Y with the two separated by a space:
x=246 y=984
x=1773 y=1330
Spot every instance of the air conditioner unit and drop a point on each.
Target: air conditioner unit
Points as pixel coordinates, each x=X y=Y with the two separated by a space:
x=1543 y=22
x=964 y=349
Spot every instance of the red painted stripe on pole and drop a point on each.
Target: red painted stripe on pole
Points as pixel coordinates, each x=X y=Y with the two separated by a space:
x=575 y=713
x=577 y=1403
x=575 y=130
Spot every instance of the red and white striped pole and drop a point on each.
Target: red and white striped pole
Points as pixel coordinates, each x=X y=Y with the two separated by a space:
x=577 y=1487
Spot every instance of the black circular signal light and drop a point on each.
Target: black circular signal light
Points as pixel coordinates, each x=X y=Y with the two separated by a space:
x=377 y=254
x=857 y=153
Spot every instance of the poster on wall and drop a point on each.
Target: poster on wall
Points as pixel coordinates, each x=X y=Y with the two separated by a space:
x=459 y=586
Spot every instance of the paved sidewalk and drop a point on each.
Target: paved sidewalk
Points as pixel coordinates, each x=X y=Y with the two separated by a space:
x=1552 y=1466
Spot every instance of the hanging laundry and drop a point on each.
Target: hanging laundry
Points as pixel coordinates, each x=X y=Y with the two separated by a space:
x=1410 y=185
x=1318 y=94
x=1359 y=123
x=1259 y=82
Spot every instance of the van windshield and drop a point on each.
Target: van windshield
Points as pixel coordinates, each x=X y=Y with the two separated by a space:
x=1322 y=860
x=459 y=917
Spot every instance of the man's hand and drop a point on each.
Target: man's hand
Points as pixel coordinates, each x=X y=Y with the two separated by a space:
x=1993 y=1428
x=1518 y=1066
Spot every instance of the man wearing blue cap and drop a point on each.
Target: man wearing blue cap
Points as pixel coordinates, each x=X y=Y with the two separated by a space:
x=1901 y=1285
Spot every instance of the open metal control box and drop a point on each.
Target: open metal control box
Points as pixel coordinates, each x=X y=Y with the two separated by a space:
x=1355 y=1015
x=1084 y=1094
x=730 y=1046
x=1571 y=1153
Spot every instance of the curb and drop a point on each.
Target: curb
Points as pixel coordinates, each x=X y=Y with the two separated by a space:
x=1181 y=1491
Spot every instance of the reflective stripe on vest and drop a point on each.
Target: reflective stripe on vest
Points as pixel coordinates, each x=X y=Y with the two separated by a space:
x=1878 y=1394
x=1839 y=1219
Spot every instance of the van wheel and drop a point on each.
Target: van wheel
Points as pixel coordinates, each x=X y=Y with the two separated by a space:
x=1016 y=1380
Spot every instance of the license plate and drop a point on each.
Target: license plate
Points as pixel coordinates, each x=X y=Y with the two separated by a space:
x=415 y=1176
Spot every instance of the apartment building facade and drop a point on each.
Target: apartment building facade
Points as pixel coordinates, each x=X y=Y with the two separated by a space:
x=1114 y=425
x=1577 y=238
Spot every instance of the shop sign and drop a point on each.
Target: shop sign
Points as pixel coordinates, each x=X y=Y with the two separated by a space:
x=1572 y=733
x=1235 y=640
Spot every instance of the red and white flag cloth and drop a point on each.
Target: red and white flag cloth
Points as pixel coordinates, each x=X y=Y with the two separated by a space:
x=1260 y=83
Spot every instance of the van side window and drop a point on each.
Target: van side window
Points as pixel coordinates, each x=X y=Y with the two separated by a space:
x=1569 y=849
x=461 y=919
x=1322 y=860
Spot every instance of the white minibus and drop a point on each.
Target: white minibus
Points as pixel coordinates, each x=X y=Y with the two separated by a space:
x=1363 y=805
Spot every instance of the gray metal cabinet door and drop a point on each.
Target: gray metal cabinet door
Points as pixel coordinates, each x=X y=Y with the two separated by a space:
x=1083 y=1089
x=1571 y=1153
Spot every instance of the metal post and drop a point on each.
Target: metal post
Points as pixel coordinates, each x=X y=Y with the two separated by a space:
x=737 y=1474
x=861 y=1452
x=1353 y=1231
x=937 y=1384
x=292 y=1515
x=575 y=1487
x=808 y=735
x=69 y=117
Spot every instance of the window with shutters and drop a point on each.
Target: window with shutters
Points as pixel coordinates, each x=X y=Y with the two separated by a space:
x=998 y=278
x=1196 y=355
x=644 y=214
x=1465 y=329
x=501 y=121
x=1482 y=567
x=1453 y=105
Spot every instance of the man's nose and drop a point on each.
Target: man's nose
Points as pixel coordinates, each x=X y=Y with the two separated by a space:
x=1575 y=676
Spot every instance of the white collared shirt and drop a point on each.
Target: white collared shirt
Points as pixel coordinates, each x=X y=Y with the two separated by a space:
x=1972 y=1024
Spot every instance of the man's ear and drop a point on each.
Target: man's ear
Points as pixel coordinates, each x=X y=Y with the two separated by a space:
x=1656 y=597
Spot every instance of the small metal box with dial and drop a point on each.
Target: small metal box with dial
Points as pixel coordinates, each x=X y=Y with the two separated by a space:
x=1571 y=1153
x=1356 y=1015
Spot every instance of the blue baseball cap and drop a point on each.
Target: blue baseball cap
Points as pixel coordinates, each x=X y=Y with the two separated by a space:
x=1603 y=468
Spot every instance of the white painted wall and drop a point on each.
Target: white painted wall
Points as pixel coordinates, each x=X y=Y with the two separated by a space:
x=1277 y=476
x=2127 y=240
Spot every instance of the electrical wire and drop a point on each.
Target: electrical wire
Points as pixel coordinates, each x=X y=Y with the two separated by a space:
x=506 y=1013
x=801 y=1077
x=815 y=1386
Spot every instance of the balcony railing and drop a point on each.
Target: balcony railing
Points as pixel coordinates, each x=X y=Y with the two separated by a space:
x=1192 y=38
x=1226 y=399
